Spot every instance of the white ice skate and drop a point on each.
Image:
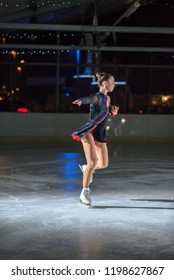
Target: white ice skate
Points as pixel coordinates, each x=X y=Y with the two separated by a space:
x=83 y=168
x=84 y=197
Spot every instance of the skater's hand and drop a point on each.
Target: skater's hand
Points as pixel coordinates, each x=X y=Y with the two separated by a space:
x=77 y=102
x=114 y=110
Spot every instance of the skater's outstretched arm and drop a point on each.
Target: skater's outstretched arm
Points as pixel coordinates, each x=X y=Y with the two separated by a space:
x=92 y=99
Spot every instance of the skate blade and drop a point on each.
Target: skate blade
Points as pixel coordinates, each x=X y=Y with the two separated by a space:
x=85 y=205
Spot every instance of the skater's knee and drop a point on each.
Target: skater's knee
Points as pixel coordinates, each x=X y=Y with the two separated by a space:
x=92 y=164
x=102 y=165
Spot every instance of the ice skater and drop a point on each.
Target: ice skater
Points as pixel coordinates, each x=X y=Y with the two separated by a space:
x=93 y=133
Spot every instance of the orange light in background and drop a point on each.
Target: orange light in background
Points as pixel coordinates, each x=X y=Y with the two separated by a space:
x=19 y=68
x=14 y=54
x=167 y=99
x=22 y=61
x=155 y=100
x=3 y=40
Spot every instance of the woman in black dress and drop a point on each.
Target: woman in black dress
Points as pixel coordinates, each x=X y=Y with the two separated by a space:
x=93 y=133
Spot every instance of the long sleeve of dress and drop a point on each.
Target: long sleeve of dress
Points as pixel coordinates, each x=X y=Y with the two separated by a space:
x=92 y=99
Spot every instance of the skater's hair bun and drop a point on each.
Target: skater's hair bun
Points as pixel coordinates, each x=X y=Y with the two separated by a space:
x=101 y=77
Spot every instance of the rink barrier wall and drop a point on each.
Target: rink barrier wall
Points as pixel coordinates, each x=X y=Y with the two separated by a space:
x=47 y=127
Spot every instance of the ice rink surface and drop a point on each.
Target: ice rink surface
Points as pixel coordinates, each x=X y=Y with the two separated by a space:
x=132 y=214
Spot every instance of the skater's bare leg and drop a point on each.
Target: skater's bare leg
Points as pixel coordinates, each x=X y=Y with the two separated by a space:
x=102 y=155
x=91 y=158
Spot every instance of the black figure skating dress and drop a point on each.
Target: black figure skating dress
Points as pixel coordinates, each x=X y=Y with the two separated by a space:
x=96 y=124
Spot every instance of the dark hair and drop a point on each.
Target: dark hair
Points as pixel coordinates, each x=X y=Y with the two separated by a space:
x=102 y=76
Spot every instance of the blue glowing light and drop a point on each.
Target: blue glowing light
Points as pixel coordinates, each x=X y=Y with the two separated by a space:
x=77 y=56
x=70 y=170
x=123 y=83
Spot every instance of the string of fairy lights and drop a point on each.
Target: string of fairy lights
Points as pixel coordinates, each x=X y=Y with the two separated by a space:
x=8 y=37
x=40 y=52
x=33 y=36
x=53 y=3
x=35 y=52
x=30 y=38
x=38 y=4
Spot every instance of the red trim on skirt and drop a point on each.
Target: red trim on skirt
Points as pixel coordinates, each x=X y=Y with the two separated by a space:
x=75 y=137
